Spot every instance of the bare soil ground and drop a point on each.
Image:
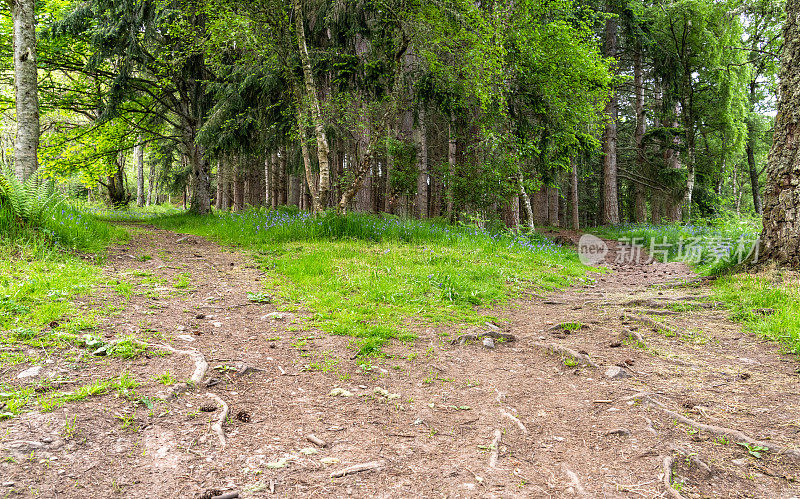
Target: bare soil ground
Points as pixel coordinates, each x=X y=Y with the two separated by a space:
x=529 y=418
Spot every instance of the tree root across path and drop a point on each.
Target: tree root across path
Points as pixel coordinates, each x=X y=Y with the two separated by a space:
x=669 y=463
x=217 y=426
x=464 y=338
x=729 y=433
x=566 y=352
x=200 y=368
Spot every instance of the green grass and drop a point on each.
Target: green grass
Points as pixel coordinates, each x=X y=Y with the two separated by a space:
x=711 y=246
x=376 y=278
x=747 y=293
x=744 y=293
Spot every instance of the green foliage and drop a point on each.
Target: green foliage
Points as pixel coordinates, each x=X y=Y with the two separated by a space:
x=26 y=203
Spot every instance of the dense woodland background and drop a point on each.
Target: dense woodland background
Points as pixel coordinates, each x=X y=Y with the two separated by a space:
x=563 y=113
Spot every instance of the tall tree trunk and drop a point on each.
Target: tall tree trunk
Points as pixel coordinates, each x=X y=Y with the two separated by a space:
x=526 y=200
x=751 y=165
x=318 y=194
x=552 y=206
x=751 y=158
x=421 y=139
x=573 y=181
x=610 y=195
x=26 y=89
x=225 y=182
x=540 y=206
x=780 y=239
x=640 y=209
x=451 y=166
x=151 y=182
x=138 y=158
x=238 y=185
x=282 y=175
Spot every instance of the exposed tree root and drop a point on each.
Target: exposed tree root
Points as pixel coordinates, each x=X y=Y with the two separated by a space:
x=669 y=462
x=633 y=336
x=495 y=449
x=658 y=326
x=566 y=352
x=729 y=433
x=464 y=338
x=217 y=426
x=576 y=483
x=200 y=368
x=516 y=420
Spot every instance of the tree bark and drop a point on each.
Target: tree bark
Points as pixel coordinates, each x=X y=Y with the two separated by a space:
x=319 y=194
x=138 y=158
x=26 y=89
x=751 y=159
x=552 y=206
x=151 y=182
x=451 y=166
x=610 y=194
x=780 y=239
x=421 y=139
x=640 y=208
x=573 y=180
x=526 y=200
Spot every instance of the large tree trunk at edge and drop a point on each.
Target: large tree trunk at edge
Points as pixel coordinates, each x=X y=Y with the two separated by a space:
x=25 y=88
x=610 y=195
x=780 y=240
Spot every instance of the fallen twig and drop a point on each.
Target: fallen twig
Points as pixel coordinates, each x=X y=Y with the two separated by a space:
x=357 y=468
x=316 y=441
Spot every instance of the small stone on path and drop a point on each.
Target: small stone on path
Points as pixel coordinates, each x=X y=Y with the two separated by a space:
x=616 y=372
x=30 y=372
x=488 y=343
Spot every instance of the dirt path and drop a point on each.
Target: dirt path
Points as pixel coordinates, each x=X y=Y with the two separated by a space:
x=434 y=419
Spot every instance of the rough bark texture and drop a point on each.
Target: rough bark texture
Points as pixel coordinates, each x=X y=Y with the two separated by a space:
x=319 y=193
x=540 y=205
x=552 y=206
x=151 y=183
x=751 y=160
x=421 y=140
x=526 y=200
x=26 y=90
x=640 y=208
x=138 y=158
x=610 y=196
x=780 y=240
x=573 y=181
x=451 y=165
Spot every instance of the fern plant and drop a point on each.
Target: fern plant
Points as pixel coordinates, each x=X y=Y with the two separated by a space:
x=27 y=201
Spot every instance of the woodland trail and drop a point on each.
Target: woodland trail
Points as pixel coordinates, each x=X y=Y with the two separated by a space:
x=530 y=418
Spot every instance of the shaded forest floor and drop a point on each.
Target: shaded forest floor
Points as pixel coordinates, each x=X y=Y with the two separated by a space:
x=594 y=396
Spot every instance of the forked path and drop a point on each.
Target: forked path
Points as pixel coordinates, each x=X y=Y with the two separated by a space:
x=539 y=416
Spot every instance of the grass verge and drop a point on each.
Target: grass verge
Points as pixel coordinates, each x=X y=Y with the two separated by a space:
x=378 y=278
